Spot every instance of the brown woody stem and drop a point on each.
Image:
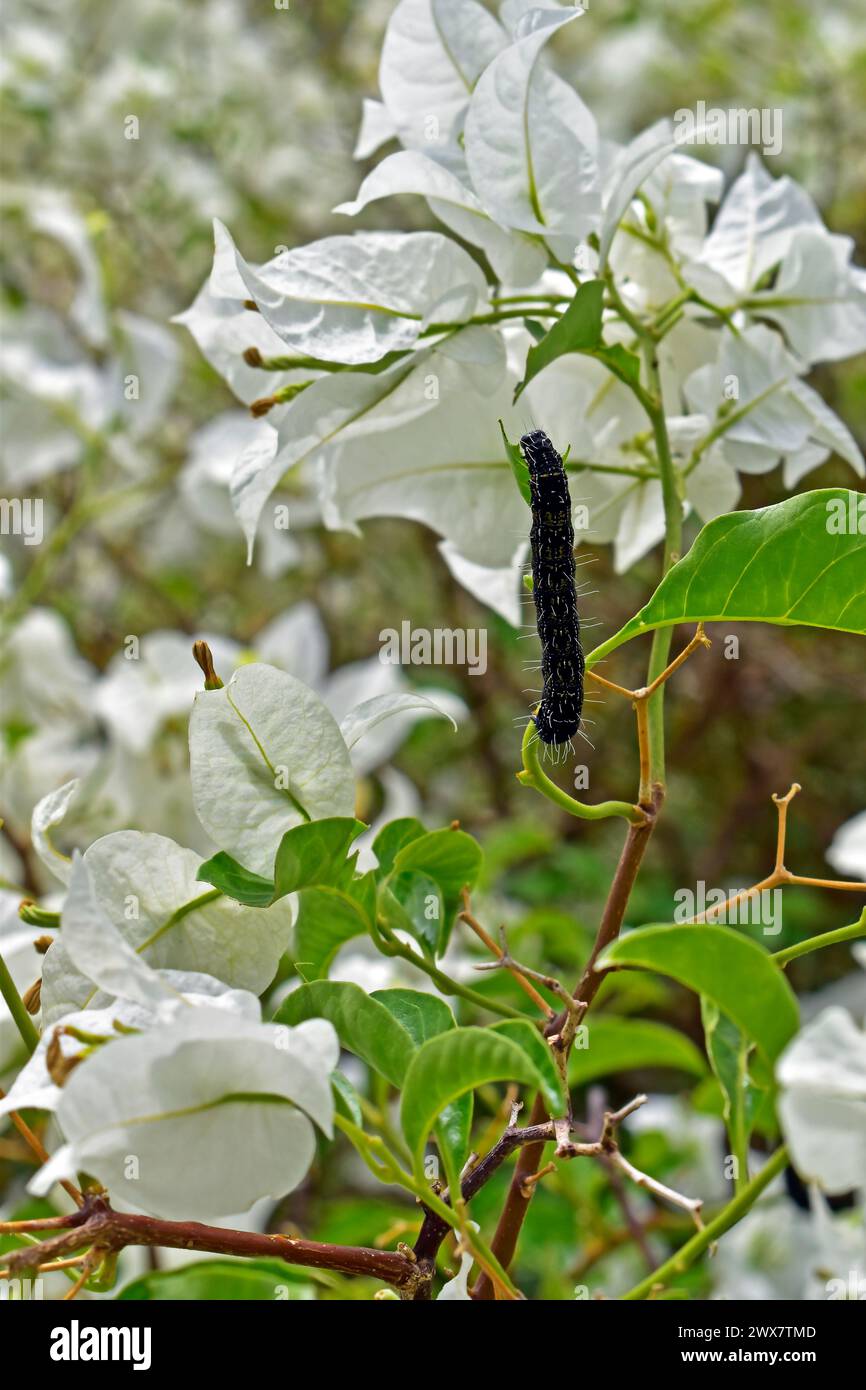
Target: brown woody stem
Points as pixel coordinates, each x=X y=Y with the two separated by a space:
x=99 y=1226
x=511 y=1220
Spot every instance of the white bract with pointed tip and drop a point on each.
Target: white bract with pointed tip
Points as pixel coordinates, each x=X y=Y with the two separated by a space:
x=265 y=755
x=509 y=158
x=198 y=1118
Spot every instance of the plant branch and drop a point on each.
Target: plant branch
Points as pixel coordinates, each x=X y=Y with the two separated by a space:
x=728 y=1217
x=529 y=1137
x=817 y=943
x=504 y=1242
x=98 y=1225
x=640 y=699
x=472 y=922
x=780 y=875
x=390 y=945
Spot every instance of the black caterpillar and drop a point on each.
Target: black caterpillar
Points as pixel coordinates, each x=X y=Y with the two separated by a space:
x=557 y=718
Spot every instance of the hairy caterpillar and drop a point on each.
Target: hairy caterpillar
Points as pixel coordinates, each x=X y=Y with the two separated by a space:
x=557 y=718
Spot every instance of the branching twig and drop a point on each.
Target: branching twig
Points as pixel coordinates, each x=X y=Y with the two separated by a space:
x=473 y=923
x=567 y=1023
x=504 y=1242
x=506 y=961
x=703 y=1239
x=99 y=1226
x=779 y=875
x=640 y=700
x=536 y=1136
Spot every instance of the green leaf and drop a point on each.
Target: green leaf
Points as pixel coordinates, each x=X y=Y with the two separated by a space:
x=577 y=330
x=413 y=902
x=455 y=1063
x=424 y=1016
x=734 y=972
x=788 y=564
x=346 y=1098
x=316 y=853
x=452 y=859
x=452 y=1129
x=392 y=838
x=518 y=466
x=744 y=1084
x=363 y=1025
x=327 y=918
x=538 y=1052
x=230 y=1280
x=625 y=1044
x=235 y=881
x=618 y=359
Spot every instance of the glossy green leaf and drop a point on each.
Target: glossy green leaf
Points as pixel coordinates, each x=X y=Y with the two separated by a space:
x=615 y=1044
x=425 y=1016
x=327 y=919
x=392 y=838
x=346 y=1098
x=455 y=1063
x=535 y=329
x=413 y=902
x=737 y=974
x=800 y=562
x=452 y=1130
x=225 y=873
x=577 y=330
x=363 y=1025
x=536 y=1049
x=230 y=1280
x=618 y=359
x=316 y=854
x=452 y=859
x=730 y=1054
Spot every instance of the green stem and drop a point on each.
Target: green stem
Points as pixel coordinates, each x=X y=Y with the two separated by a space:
x=662 y=638
x=738 y=1131
x=659 y=245
x=498 y=316
x=732 y=1213
x=391 y=946
x=622 y=470
x=377 y=1115
x=385 y=1166
x=530 y=299
x=817 y=943
x=23 y=1022
x=670 y=314
x=652 y=400
x=533 y=776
